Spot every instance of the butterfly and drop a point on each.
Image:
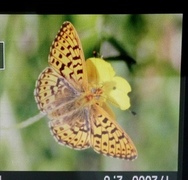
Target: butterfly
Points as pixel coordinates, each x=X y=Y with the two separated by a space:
x=77 y=109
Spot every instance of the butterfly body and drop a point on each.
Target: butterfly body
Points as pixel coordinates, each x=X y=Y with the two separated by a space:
x=75 y=102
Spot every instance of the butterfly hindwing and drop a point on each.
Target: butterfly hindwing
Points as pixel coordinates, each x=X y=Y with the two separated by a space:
x=52 y=90
x=72 y=129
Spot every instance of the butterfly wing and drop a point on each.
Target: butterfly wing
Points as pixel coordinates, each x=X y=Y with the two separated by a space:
x=52 y=90
x=108 y=138
x=72 y=128
x=55 y=96
x=66 y=56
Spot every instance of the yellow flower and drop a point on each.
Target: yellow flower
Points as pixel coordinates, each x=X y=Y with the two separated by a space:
x=115 y=88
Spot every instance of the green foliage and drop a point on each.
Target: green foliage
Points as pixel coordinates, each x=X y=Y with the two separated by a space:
x=148 y=45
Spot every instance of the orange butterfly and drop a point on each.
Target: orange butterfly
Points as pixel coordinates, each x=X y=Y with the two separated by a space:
x=79 y=116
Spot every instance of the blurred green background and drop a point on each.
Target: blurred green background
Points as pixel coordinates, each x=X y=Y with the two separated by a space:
x=153 y=41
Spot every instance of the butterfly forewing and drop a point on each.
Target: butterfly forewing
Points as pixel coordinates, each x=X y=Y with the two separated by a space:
x=108 y=138
x=67 y=58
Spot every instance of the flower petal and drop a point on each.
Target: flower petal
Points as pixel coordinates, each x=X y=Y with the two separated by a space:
x=115 y=88
x=99 y=70
x=118 y=93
